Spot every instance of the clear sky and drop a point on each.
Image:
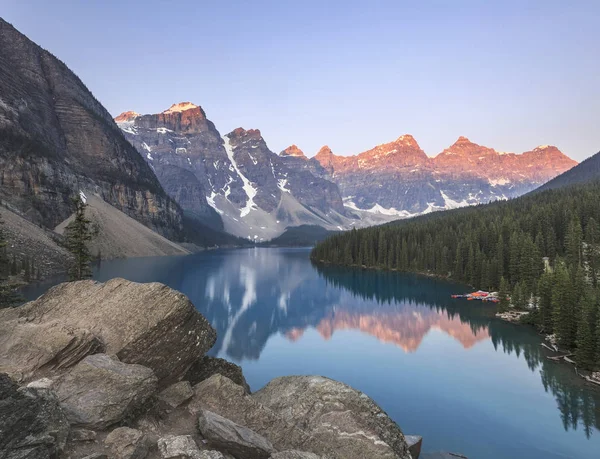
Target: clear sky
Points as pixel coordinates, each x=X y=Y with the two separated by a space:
x=350 y=74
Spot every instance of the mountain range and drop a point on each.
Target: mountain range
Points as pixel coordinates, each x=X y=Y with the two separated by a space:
x=237 y=183
x=175 y=173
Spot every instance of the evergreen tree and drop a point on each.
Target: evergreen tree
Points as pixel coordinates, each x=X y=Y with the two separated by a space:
x=8 y=296
x=503 y=294
x=584 y=355
x=77 y=236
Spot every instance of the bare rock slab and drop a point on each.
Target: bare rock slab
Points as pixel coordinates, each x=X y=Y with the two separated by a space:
x=100 y=391
x=32 y=423
x=336 y=414
x=146 y=324
x=234 y=438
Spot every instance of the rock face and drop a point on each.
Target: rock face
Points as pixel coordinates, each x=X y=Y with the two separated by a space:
x=100 y=391
x=32 y=423
x=233 y=438
x=208 y=366
x=57 y=139
x=75 y=319
x=398 y=178
x=234 y=179
x=336 y=414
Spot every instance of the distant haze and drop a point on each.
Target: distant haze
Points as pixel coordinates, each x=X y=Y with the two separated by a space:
x=510 y=75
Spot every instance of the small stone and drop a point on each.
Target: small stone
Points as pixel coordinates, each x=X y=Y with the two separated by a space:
x=233 y=438
x=176 y=394
x=43 y=383
x=294 y=455
x=182 y=447
x=126 y=443
x=82 y=435
x=415 y=442
x=96 y=456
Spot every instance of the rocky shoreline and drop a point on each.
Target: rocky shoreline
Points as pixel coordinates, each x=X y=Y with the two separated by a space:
x=515 y=317
x=118 y=370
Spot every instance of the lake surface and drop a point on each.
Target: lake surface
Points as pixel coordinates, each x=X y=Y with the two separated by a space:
x=441 y=368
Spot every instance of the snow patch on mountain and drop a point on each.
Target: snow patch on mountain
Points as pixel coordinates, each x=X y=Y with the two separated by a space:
x=247 y=186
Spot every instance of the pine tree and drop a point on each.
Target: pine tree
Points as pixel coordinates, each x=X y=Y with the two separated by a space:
x=584 y=354
x=8 y=296
x=77 y=236
x=503 y=294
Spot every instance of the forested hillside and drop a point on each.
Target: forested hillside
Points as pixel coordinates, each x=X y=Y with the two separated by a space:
x=503 y=246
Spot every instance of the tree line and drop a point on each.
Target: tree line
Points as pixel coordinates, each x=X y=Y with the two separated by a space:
x=542 y=251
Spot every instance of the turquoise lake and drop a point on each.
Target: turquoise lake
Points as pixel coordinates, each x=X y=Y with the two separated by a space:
x=442 y=368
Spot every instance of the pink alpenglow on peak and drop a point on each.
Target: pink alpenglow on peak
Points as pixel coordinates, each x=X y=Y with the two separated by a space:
x=180 y=107
x=126 y=116
x=293 y=150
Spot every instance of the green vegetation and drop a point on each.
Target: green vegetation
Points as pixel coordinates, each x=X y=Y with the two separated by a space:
x=543 y=248
x=300 y=236
x=77 y=236
x=8 y=295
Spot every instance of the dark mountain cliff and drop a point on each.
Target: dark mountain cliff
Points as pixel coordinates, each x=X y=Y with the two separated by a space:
x=56 y=138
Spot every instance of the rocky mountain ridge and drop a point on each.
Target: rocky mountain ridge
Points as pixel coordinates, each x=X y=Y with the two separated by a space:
x=258 y=194
x=398 y=178
x=234 y=180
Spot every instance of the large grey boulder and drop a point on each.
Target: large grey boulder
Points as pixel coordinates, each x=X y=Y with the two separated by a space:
x=336 y=414
x=222 y=396
x=207 y=366
x=100 y=391
x=233 y=438
x=32 y=423
x=126 y=443
x=147 y=324
x=184 y=447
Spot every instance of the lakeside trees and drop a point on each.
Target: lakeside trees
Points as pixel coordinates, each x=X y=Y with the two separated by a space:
x=77 y=236
x=544 y=246
x=8 y=296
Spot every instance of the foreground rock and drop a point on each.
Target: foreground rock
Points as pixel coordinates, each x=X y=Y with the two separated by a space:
x=311 y=414
x=147 y=324
x=336 y=414
x=222 y=396
x=207 y=366
x=101 y=391
x=126 y=443
x=233 y=438
x=32 y=424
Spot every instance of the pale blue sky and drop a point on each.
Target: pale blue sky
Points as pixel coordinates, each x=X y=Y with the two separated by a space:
x=350 y=74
